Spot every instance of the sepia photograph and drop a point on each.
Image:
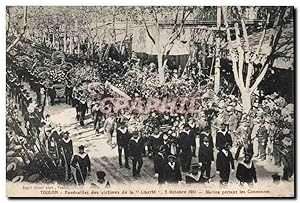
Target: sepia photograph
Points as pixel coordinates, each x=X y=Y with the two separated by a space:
x=150 y=101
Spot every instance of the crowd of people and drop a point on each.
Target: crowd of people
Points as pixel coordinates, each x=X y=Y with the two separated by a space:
x=177 y=143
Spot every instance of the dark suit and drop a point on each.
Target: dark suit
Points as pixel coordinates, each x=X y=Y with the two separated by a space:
x=172 y=175
x=83 y=161
x=123 y=141
x=160 y=160
x=224 y=165
x=185 y=145
x=136 y=147
x=223 y=138
x=206 y=156
x=82 y=109
x=67 y=149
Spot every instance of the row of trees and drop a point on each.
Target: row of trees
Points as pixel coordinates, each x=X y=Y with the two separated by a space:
x=95 y=25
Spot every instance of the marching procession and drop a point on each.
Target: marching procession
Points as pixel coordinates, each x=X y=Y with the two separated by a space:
x=190 y=144
x=110 y=96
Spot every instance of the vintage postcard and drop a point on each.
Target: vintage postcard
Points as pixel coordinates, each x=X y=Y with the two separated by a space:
x=150 y=101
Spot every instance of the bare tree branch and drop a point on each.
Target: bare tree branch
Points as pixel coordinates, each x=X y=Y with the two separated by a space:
x=148 y=32
x=240 y=51
x=268 y=62
x=177 y=33
x=22 y=33
x=234 y=62
x=263 y=35
x=245 y=34
x=249 y=74
x=224 y=11
x=126 y=31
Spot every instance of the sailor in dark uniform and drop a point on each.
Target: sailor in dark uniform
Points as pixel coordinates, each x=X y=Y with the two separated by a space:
x=172 y=172
x=160 y=160
x=185 y=147
x=205 y=133
x=195 y=176
x=123 y=138
x=193 y=130
x=206 y=157
x=81 y=166
x=225 y=164
x=155 y=141
x=223 y=137
x=67 y=151
x=245 y=171
x=136 y=145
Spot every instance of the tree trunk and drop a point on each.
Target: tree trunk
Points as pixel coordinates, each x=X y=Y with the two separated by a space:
x=218 y=58
x=88 y=48
x=92 y=50
x=53 y=40
x=65 y=40
x=161 y=71
x=246 y=101
x=78 y=45
x=217 y=76
x=71 y=45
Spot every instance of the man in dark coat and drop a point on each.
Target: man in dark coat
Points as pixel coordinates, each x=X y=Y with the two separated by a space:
x=82 y=109
x=223 y=137
x=68 y=93
x=193 y=131
x=185 y=148
x=52 y=94
x=225 y=164
x=206 y=157
x=245 y=171
x=123 y=138
x=172 y=172
x=136 y=145
x=67 y=151
x=155 y=141
x=82 y=166
x=75 y=103
x=160 y=160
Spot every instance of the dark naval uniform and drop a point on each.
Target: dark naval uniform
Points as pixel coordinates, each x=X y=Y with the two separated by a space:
x=160 y=160
x=136 y=146
x=172 y=173
x=67 y=150
x=123 y=138
x=246 y=173
x=206 y=156
x=224 y=164
x=185 y=145
x=83 y=165
x=222 y=138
